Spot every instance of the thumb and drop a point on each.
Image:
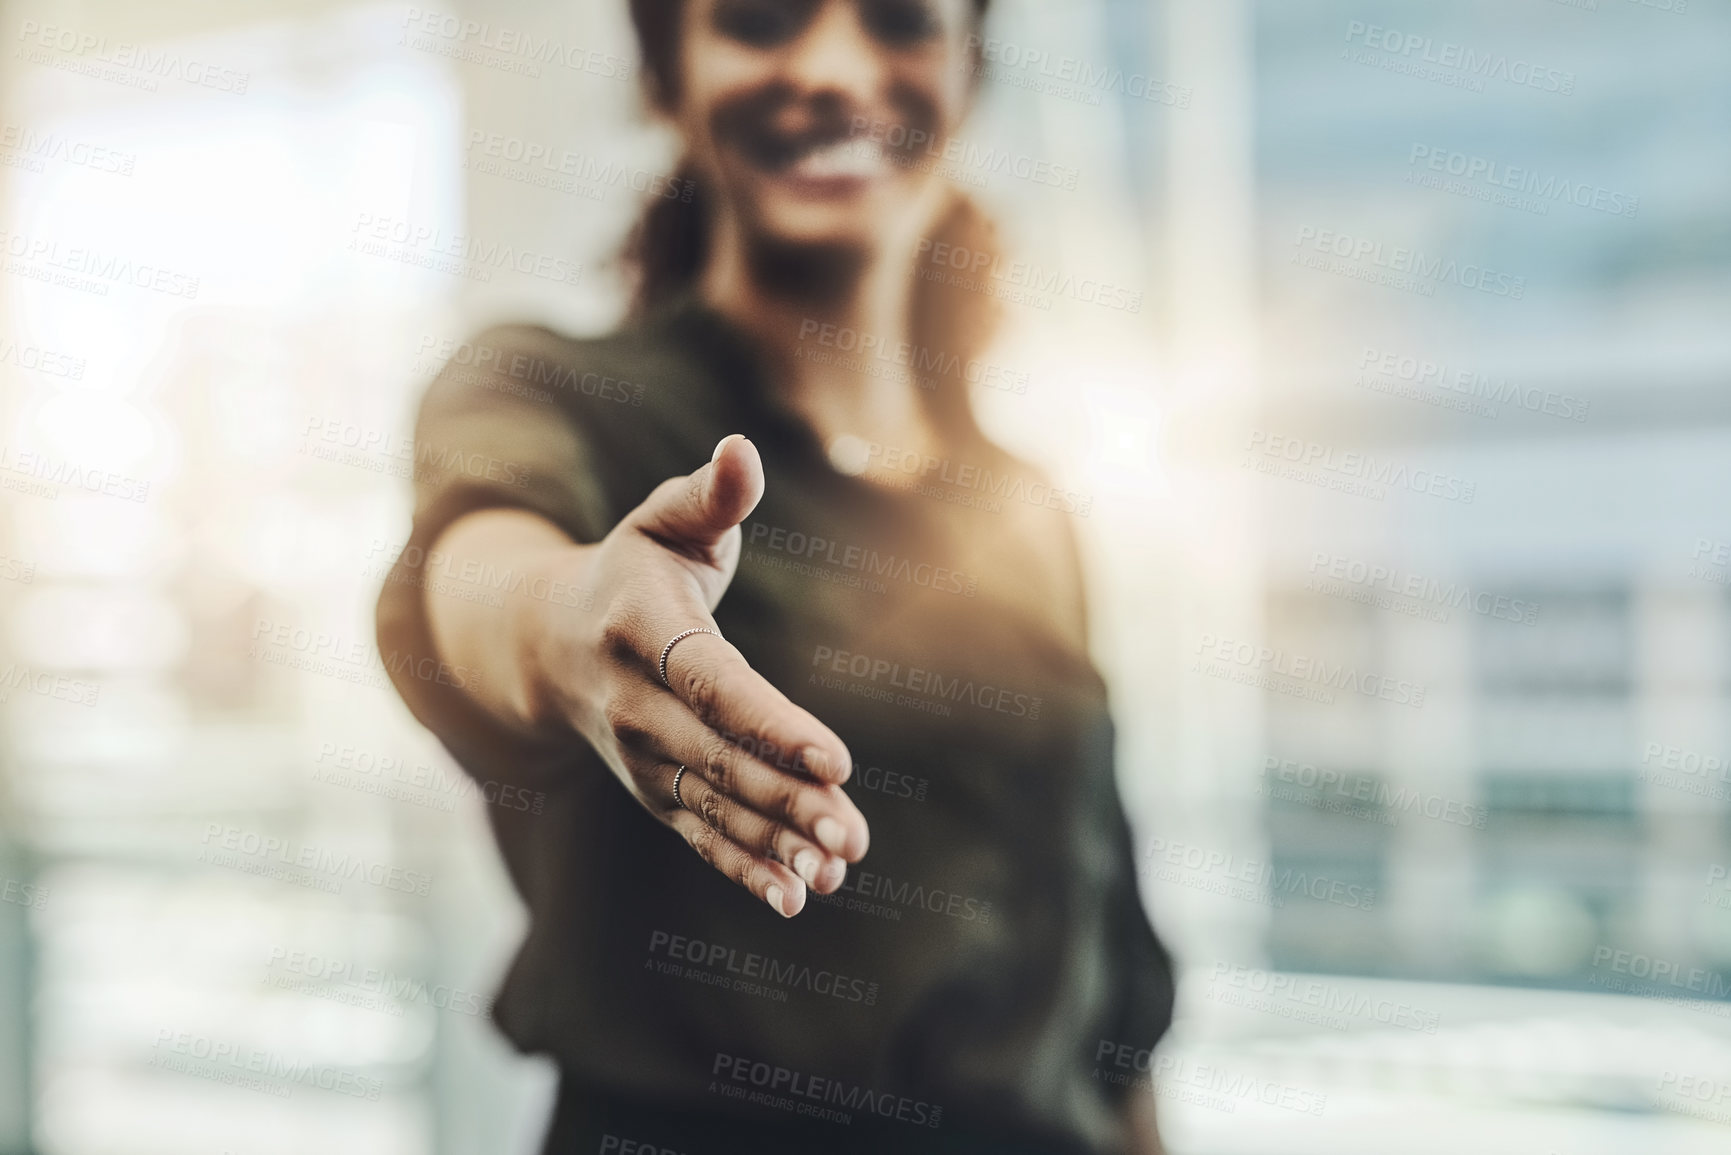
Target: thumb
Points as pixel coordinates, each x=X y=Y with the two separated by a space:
x=693 y=514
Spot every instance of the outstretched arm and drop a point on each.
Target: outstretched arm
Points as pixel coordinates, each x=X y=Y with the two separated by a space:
x=762 y=788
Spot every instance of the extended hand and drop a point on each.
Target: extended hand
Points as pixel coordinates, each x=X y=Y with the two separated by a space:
x=761 y=788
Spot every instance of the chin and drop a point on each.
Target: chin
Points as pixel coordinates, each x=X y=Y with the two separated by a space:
x=818 y=227
x=859 y=219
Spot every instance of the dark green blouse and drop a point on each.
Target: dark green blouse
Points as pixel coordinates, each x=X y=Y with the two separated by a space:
x=992 y=943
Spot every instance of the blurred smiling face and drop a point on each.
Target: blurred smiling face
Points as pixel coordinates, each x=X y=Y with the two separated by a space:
x=813 y=118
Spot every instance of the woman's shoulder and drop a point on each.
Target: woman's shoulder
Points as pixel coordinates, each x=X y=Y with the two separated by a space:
x=623 y=410
x=633 y=365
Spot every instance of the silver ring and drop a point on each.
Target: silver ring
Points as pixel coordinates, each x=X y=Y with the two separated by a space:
x=677 y=800
x=676 y=639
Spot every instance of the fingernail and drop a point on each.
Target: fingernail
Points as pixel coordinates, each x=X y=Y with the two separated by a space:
x=773 y=897
x=833 y=872
x=719 y=445
x=806 y=864
x=831 y=834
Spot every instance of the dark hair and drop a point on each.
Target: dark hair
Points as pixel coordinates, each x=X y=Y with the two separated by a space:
x=671 y=240
x=658 y=24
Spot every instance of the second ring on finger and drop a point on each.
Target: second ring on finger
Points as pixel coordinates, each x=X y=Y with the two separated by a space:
x=821 y=871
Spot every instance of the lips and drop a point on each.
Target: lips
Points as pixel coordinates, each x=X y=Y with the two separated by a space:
x=855 y=158
x=830 y=153
x=825 y=146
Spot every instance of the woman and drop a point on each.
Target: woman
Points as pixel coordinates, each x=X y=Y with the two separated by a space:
x=732 y=682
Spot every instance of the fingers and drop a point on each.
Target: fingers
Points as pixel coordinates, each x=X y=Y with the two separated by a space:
x=760 y=836
x=763 y=785
x=771 y=812
x=693 y=514
x=727 y=695
x=774 y=883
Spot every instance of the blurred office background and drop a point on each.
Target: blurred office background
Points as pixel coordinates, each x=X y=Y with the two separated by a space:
x=1388 y=255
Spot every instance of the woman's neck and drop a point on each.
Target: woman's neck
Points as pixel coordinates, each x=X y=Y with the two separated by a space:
x=837 y=329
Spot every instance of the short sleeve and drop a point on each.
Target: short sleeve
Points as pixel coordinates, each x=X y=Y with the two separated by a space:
x=488 y=436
